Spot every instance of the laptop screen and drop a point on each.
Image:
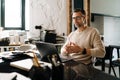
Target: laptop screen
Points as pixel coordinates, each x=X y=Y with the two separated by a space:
x=47 y=51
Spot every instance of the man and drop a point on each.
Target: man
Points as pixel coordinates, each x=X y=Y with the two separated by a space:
x=83 y=45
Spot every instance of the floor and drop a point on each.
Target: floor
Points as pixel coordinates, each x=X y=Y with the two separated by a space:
x=106 y=70
x=116 y=68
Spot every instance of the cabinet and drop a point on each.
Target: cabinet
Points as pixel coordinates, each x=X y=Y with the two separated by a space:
x=9 y=48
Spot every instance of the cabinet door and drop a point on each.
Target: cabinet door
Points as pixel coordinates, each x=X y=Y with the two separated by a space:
x=76 y=4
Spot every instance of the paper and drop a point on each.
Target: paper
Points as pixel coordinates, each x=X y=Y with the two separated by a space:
x=25 y=64
x=10 y=76
x=1 y=60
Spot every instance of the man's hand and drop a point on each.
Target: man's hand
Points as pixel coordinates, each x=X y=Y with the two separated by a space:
x=72 y=48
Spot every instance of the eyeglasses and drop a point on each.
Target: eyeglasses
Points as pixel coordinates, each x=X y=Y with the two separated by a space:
x=77 y=18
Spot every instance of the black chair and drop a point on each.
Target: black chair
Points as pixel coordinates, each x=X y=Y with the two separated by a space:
x=115 y=63
x=109 y=57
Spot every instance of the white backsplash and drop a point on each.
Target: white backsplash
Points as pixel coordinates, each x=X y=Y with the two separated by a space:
x=49 y=14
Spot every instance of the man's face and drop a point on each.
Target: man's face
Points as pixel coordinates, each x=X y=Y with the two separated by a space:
x=78 y=19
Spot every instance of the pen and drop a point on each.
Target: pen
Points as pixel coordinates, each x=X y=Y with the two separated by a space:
x=35 y=60
x=14 y=78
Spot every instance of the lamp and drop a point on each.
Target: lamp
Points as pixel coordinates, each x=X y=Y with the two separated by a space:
x=38 y=27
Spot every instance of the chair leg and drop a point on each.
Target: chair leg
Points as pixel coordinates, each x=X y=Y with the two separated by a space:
x=114 y=71
x=103 y=65
x=119 y=71
x=109 y=69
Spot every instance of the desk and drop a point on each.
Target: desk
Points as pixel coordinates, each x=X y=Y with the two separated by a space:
x=95 y=73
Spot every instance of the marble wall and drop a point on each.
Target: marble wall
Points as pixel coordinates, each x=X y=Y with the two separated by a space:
x=49 y=14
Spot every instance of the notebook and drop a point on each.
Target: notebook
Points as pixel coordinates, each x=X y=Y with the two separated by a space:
x=11 y=76
x=27 y=64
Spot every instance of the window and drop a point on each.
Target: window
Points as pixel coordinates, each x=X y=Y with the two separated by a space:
x=27 y=14
x=13 y=14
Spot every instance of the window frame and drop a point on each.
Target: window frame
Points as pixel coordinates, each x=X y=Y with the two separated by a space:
x=22 y=17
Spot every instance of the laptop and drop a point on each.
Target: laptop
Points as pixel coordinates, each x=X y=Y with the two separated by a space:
x=48 y=51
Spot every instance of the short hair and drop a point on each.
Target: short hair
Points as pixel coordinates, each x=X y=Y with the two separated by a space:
x=79 y=10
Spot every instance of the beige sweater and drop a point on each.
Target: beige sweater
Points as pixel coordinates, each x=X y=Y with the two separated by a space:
x=90 y=39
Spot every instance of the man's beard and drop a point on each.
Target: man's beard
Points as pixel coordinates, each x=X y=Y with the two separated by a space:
x=79 y=25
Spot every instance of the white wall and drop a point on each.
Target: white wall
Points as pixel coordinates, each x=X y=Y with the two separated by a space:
x=106 y=7
x=109 y=27
x=51 y=14
x=0 y=12
x=98 y=23
x=112 y=30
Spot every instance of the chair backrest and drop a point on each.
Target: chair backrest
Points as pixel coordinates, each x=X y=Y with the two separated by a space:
x=117 y=47
x=109 y=51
